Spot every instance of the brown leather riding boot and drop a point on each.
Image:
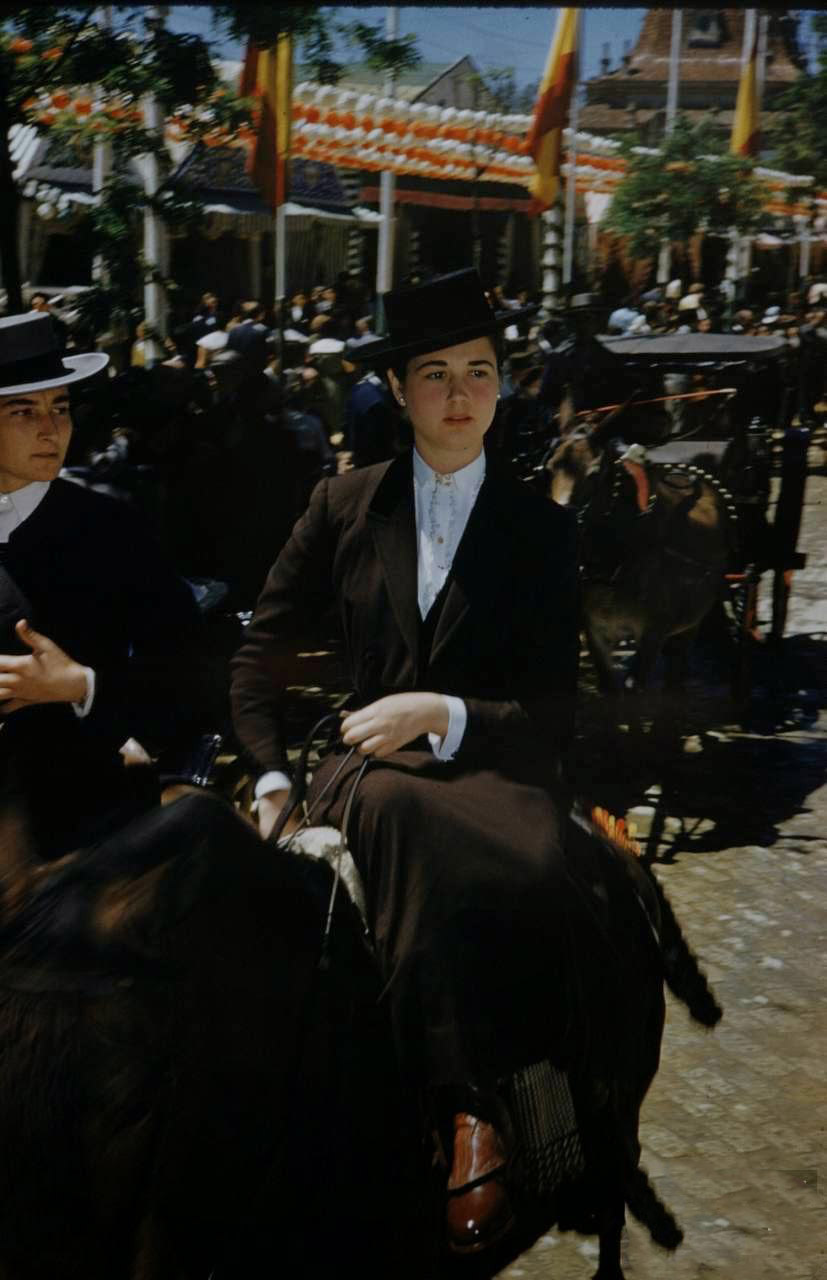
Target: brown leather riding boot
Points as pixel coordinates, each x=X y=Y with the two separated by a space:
x=478 y=1212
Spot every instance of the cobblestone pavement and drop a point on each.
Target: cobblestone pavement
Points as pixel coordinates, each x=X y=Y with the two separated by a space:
x=733 y=1129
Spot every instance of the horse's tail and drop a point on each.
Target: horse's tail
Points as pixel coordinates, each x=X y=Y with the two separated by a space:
x=644 y=1205
x=684 y=976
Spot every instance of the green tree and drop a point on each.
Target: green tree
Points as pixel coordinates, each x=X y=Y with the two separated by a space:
x=48 y=52
x=798 y=138
x=689 y=184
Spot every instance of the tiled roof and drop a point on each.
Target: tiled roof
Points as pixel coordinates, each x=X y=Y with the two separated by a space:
x=649 y=60
x=221 y=170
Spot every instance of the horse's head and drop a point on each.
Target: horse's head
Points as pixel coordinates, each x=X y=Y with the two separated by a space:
x=573 y=467
x=102 y=910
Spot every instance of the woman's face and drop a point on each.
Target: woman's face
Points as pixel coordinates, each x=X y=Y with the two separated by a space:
x=451 y=398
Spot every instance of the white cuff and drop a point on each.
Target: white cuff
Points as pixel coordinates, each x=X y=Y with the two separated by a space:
x=83 y=708
x=272 y=781
x=447 y=747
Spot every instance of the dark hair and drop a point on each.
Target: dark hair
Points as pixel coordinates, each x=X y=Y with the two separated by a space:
x=400 y=364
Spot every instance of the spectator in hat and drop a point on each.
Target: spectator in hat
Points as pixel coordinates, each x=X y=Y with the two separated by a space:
x=107 y=641
x=40 y=302
x=369 y=419
x=581 y=371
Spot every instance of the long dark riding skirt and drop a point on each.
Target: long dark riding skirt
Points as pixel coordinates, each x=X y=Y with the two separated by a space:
x=473 y=913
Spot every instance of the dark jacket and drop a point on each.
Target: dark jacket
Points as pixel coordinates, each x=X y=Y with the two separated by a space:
x=100 y=588
x=506 y=641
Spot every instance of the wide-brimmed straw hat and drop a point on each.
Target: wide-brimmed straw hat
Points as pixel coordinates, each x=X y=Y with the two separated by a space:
x=441 y=312
x=31 y=360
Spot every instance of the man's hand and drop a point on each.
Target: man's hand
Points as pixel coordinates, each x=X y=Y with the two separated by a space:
x=269 y=808
x=46 y=675
x=391 y=723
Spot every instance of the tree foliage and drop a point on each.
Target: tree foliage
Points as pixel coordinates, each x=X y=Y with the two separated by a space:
x=689 y=184
x=799 y=139
x=67 y=75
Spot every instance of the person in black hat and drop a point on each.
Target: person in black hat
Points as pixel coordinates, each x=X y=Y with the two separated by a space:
x=457 y=593
x=580 y=369
x=101 y=636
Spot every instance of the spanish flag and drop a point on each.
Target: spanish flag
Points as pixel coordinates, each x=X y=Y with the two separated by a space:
x=267 y=76
x=746 y=137
x=545 y=139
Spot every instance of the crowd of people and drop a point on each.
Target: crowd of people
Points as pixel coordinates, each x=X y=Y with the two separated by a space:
x=245 y=398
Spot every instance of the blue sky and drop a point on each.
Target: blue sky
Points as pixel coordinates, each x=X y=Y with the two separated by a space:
x=494 y=35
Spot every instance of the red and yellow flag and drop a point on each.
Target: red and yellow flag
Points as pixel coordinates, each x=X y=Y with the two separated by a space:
x=267 y=76
x=551 y=111
x=746 y=136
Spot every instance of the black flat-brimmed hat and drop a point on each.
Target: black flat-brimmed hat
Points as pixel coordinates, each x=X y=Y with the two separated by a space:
x=441 y=312
x=586 y=302
x=31 y=360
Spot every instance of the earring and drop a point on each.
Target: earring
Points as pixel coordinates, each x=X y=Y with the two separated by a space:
x=403 y=402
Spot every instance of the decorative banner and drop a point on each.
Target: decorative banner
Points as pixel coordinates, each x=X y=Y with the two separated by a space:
x=545 y=140
x=266 y=76
x=375 y=134
x=746 y=139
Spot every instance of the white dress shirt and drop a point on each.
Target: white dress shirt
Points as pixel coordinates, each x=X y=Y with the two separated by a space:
x=14 y=509
x=442 y=504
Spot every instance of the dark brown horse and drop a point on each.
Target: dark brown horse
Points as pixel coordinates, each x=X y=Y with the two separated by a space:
x=183 y=1094
x=656 y=541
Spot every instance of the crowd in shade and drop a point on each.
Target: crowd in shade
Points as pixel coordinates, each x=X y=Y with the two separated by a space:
x=244 y=409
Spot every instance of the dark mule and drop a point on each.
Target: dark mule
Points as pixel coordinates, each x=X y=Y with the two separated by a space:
x=656 y=543
x=184 y=1094
x=181 y=1092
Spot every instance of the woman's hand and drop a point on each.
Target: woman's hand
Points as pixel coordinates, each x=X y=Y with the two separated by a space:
x=47 y=674
x=391 y=723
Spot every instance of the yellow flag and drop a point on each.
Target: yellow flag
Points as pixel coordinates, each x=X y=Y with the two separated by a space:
x=746 y=137
x=551 y=110
x=267 y=76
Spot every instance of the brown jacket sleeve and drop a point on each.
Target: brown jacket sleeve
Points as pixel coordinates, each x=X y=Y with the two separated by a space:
x=294 y=599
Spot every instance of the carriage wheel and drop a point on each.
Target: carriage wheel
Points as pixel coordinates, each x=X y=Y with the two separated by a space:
x=746 y=634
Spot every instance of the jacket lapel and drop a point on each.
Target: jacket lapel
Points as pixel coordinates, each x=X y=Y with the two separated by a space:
x=391 y=517
x=478 y=558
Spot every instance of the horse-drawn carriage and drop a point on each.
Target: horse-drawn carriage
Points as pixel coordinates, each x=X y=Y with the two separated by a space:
x=690 y=489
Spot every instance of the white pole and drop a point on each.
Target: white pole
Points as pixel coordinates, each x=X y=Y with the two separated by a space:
x=101 y=158
x=761 y=64
x=281 y=253
x=387 y=188
x=551 y=257
x=154 y=308
x=571 y=185
x=804 y=245
x=665 y=255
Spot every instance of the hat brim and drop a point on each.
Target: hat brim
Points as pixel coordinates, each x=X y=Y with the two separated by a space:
x=77 y=368
x=383 y=352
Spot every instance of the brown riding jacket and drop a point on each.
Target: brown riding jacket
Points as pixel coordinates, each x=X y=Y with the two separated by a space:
x=506 y=641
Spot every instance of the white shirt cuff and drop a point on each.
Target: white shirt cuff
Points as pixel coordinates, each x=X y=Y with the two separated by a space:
x=272 y=781
x=83 y=708
x=447 y=747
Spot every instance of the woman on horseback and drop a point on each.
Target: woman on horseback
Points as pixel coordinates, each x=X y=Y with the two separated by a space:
x=456 y=593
